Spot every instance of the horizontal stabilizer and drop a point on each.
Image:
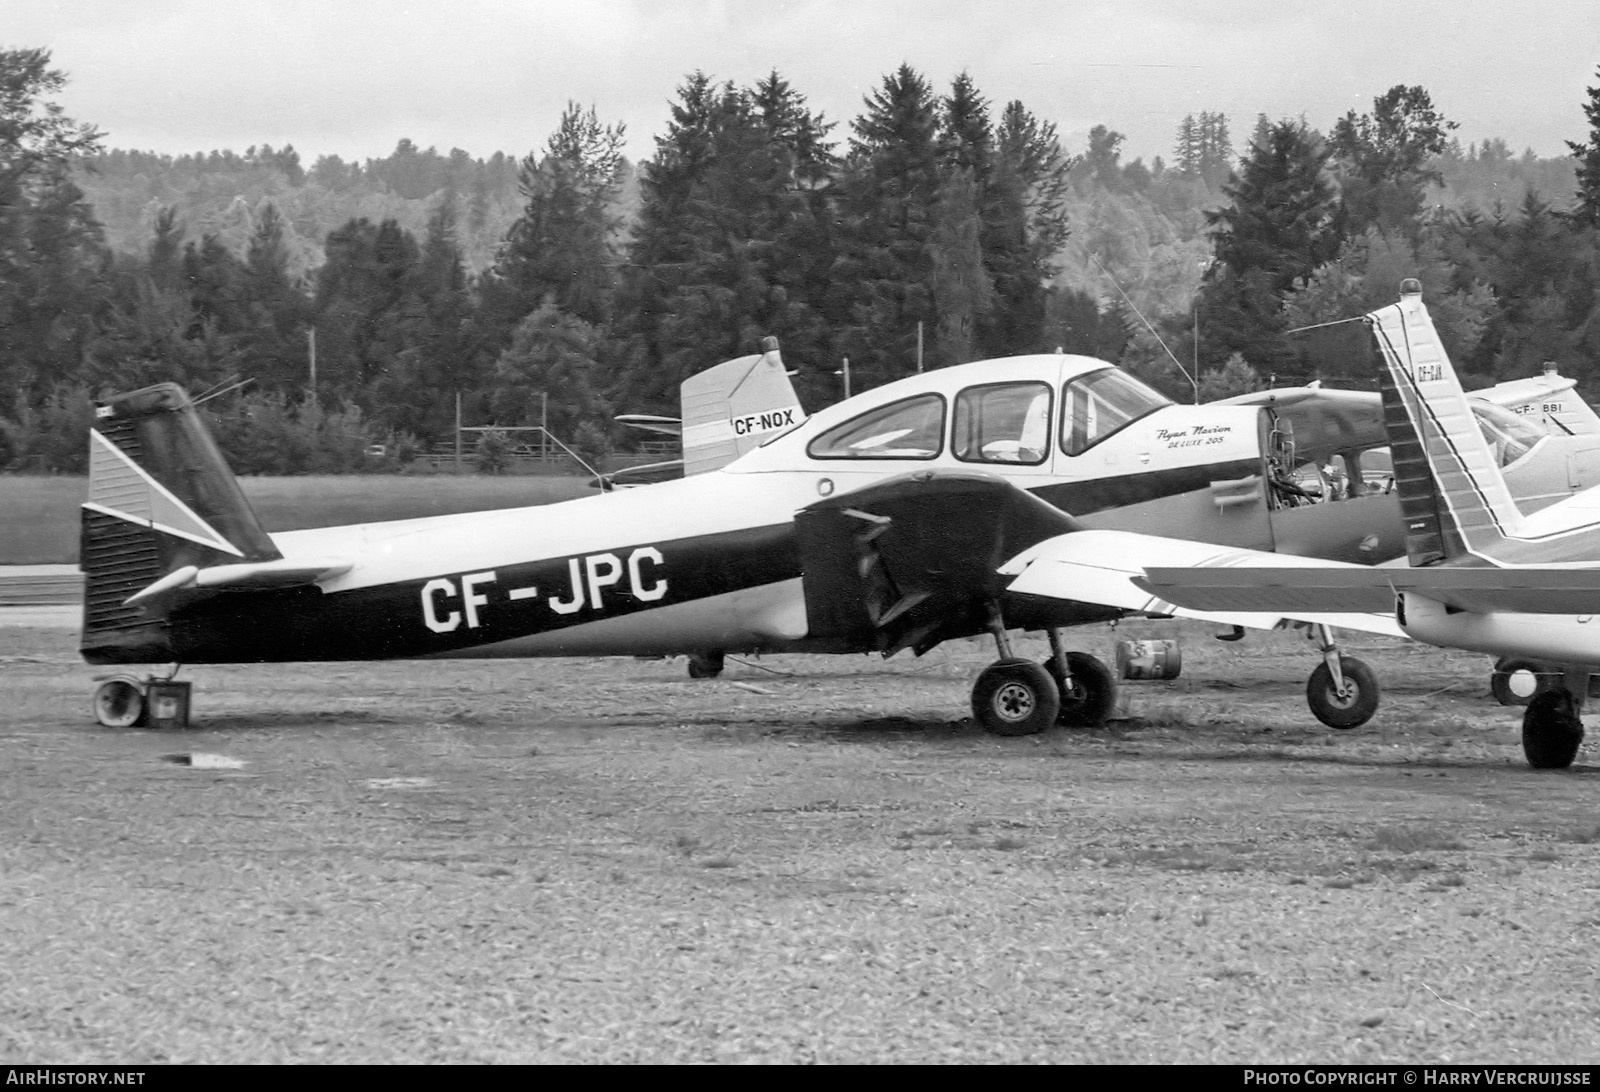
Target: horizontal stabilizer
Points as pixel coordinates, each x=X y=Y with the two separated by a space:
x=651 y=422
x=250 y=576
x=1549 y=398
x=1522 y=590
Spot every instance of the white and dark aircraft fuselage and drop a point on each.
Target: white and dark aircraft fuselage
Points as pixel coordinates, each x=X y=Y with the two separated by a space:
x=877 y=524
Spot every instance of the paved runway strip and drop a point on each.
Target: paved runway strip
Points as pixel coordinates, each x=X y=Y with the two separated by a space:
x=40 y=585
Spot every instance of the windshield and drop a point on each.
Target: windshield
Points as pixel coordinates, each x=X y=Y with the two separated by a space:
x=1101 y=403
x=1509 y=435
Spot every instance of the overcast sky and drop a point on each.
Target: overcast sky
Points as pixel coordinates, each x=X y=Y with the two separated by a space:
x=352 y=77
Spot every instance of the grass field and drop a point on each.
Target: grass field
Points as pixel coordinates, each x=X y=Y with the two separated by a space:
x=39 y=515
x=810 y=859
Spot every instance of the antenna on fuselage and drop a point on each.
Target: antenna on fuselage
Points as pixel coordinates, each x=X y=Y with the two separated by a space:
x=1147 y=325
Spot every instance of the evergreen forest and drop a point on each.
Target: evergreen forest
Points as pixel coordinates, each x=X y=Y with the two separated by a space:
x=336 y=305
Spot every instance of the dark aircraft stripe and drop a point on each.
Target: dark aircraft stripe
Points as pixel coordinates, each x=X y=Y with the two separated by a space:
x=467 y=609
x=1083 y=498
x=458 y=610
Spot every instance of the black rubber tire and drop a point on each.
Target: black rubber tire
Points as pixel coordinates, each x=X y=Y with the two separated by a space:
x=1092 y=695
x=706 y=665
x=1352 y=711
x=119 y=703
x=1500 y=680
x=1551 y=730
x=1015 y=698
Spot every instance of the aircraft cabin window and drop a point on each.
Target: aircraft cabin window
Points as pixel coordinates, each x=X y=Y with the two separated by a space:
x=912 y=428
x=1002 y=423
x=1101 y=403
x=1510 y=435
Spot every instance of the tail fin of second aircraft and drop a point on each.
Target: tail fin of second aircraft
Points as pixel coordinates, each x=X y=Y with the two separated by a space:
x=736 y=406
x=162 y=504
x=1453 y=499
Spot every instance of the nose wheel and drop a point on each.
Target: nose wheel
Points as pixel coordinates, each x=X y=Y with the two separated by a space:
x=1346 y=702
x=1343 y=691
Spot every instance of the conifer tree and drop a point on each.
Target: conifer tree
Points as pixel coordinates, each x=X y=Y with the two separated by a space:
x=1278 y=228
x=562 y=247
x=1186 y=151
x=734 y=238
x=364 y=307
x=1588 y=156
x=1025 y=227
x=51 y=246
x=962 y=289
x=891 y=186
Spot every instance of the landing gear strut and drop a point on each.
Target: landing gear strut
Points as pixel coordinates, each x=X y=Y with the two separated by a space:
x=1088 y=688
x=1551 y=728
x=1342 y=692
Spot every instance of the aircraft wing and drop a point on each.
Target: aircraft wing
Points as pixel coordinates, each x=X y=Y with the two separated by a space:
x=912 y=560
x=1109 y=568
x=1525 y=590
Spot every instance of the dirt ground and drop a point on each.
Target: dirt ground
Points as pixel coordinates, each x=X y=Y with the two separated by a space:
x=809 y=859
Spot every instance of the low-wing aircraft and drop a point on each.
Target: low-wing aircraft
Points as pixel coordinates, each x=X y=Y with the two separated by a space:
x=1483 y=575
x=891 y=520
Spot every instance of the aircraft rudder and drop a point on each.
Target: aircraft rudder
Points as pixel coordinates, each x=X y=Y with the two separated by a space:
x=736 y=406
x=161 y=498
x=1453 y=498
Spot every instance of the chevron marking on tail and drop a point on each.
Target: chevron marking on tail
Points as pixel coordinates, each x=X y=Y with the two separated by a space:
x=120 y=488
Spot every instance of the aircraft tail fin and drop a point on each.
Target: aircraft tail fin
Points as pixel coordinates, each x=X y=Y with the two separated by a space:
x=1453 y=499
x=161 y=501
x=735 y=407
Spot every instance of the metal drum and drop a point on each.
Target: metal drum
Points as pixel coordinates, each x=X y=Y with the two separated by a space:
x=1149 y=659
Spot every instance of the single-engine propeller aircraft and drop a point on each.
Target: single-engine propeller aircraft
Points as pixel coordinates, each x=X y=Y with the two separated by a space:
x=1483 y=575
x=901 y=518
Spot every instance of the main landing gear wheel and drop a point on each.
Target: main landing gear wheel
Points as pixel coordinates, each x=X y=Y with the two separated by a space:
x=1087 y=700
x=1349 y=708
x=1015 y=697
x=707 y=665
x=1517 y=682
x=119 y=703
x=1551 y=730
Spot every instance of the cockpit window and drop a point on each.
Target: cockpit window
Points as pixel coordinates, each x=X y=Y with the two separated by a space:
x=1509 y=435
x=1101 y=403
x=1002 y=423
x=912 y=428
